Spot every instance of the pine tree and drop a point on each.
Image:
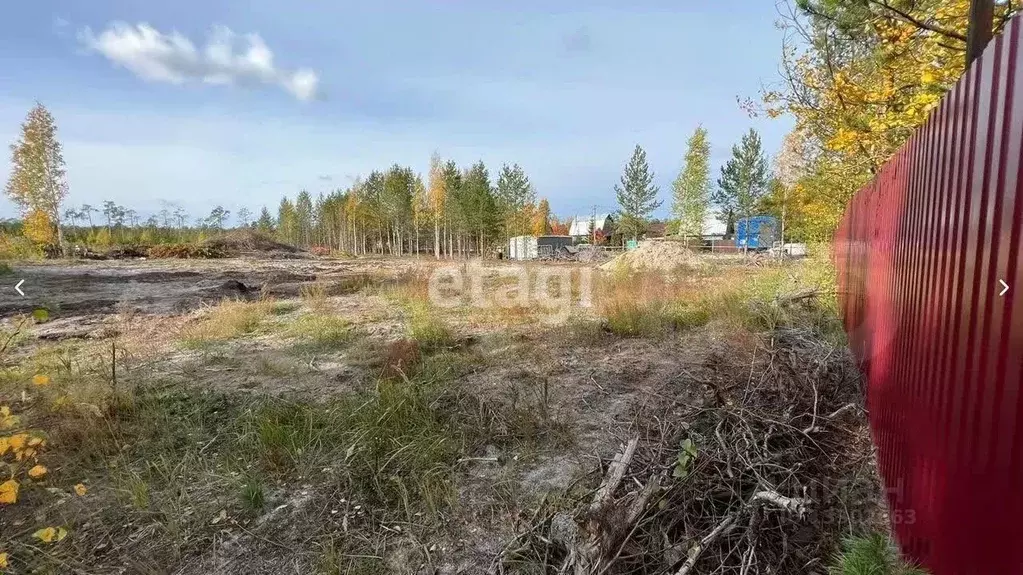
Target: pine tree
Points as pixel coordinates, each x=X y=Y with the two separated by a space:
x=691 y=190
x=304 y=218
x=637 y=195
x=743 y=180
x=456 y=219
x=396 y=203
x=516 y=197
x=479 y=205
x=37 y=182
x=265 y=223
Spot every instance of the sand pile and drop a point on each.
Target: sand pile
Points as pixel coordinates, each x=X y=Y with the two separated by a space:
x=657 y=255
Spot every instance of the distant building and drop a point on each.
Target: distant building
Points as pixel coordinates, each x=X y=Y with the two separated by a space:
x=580 y=226
x=656 y=230
x=713 y=227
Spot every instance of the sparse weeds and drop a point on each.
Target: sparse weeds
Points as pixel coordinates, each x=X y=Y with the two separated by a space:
x=315 y=297
x=317 y=332
x=410 y=288
x=648 y=304
x=228 y=320
x=344 y=557
x=253 y=494
x=427 y=329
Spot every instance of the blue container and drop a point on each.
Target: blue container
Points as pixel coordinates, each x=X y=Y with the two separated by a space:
x=756 y=233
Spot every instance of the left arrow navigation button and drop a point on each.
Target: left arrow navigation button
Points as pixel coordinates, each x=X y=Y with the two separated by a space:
x=18 y=287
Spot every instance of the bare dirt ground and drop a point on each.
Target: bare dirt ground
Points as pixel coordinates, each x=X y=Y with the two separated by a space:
x=241 y=448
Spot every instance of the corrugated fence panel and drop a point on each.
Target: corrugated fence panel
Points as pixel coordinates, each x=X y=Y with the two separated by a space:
x=920 y=252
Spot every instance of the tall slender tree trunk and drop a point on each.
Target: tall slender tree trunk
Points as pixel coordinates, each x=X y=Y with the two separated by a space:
x=436 y=238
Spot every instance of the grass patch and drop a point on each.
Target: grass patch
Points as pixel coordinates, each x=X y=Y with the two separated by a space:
x=315 y=297
x=228 y=320
x=253 y=494
x=648 y=304
x=428 y=330
x=284 y=307
x=410 y=288
x=317 y=332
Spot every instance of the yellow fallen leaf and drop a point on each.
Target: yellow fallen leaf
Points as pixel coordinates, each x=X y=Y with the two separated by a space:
x=9 y=492
x=9 y=422
x=36 y=442
x=41 y=379
x=3 y=560
x=37 y=472
x=80 y=490
x=5 y=444
x=50 y=534
x=24 y=454
x=18 y=441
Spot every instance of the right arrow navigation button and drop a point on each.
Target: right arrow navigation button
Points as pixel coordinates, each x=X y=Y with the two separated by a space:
x=1005 y=288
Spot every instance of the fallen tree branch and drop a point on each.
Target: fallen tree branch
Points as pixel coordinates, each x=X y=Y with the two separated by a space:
x=615 y=473
x=694 y=554
x=793 y=505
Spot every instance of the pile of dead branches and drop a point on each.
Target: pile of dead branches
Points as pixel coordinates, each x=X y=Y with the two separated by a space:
x=765 y=475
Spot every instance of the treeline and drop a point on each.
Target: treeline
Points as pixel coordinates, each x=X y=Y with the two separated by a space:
x=455 y=211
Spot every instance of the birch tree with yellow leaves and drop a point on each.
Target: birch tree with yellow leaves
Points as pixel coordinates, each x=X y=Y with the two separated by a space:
x=859 y=76
x=435 y=194
x=37 y=182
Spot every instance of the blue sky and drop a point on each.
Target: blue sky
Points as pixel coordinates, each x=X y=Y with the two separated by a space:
x=181 y=102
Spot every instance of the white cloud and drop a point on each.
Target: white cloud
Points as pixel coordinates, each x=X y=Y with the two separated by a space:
x=173 y=58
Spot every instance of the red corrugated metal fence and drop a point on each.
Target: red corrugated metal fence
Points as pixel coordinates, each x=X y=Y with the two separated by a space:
x=920 y=253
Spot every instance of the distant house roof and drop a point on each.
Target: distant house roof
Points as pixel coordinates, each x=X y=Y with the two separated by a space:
x=656 y=230
x=581 y=224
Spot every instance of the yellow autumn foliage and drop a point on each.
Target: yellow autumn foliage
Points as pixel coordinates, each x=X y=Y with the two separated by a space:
x=39 y=228
x=37 y=472
x=859 y=78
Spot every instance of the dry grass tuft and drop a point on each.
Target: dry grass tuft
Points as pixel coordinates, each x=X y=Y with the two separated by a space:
x=228 y=320
x=401 y=359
